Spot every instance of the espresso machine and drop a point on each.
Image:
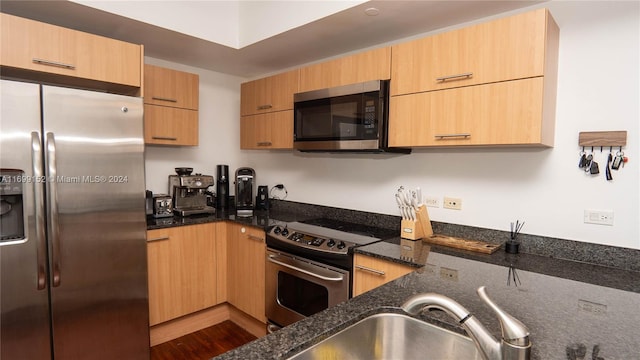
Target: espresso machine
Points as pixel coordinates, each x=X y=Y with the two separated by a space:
x=245 y=183
x=189 y=192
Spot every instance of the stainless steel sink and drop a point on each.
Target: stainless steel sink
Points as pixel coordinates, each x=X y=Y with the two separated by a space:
x=393 y=336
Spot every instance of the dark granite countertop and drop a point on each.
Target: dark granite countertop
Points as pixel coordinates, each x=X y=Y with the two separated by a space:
x=559 y=311
x=563 y=302
x=260 y=218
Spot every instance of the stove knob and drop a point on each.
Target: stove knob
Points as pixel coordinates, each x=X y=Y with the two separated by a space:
x=277 y=230
x=341 y=245
x=285 y=232
x=331 y=243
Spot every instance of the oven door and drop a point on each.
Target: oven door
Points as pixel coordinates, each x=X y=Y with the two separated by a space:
x=297 y=287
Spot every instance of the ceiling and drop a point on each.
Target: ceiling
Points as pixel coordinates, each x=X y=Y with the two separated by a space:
x=342 y=32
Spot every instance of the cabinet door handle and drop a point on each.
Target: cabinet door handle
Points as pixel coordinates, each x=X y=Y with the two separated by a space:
x=377 y=272
x=265 y=107
x=264 y=143
x=162 y=238
x=164 y=99
x=164 y=138
x=54 y=63
x=448 y=136
x=256 y=238
x=457 y=76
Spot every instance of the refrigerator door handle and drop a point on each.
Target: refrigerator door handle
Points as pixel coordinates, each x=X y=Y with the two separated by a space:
x=52 y=191
x=38 y=198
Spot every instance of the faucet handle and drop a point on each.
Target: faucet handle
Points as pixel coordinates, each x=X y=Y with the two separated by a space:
x=514 y=332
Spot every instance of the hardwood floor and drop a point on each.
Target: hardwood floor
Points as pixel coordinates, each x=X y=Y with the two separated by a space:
x=203 y=344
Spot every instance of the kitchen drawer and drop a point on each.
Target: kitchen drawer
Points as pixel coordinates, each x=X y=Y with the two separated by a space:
x=369 y=273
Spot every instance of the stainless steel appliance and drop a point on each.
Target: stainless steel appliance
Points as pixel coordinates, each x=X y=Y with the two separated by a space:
x=162 y=206
x=73 y=263
x=245 y=188
x=346 y=118
x=309 y=267
x=189 y=192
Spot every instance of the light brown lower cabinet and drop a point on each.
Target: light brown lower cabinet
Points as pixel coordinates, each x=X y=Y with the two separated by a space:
x=182 y=264
x=246 y=251
x=370 y=272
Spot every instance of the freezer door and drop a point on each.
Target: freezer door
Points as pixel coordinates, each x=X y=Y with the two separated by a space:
x=24 y=302
x=96 y=207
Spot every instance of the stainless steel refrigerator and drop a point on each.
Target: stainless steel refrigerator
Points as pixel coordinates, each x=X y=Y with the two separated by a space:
x=73 y=265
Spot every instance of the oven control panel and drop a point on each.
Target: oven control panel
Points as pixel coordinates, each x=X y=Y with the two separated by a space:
x=310 y=241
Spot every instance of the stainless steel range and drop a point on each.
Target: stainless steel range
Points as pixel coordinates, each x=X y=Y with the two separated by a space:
x=309 y=267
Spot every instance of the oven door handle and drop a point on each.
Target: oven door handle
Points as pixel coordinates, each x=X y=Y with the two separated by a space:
x=298 y=266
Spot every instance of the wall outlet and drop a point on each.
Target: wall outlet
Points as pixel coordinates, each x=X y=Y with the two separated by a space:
x=432 y=201
x=598 y=217
x=592 y=307
x=429 y=268
x=452 y=203
x=449 y=274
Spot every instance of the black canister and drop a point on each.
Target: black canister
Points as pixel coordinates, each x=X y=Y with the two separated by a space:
x=262 y=199
x=222 y=187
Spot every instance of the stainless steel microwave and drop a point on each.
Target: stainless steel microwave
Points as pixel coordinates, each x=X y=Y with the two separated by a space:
x=350 y=118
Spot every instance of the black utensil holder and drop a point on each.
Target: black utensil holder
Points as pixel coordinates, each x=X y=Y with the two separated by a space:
x=512 y=247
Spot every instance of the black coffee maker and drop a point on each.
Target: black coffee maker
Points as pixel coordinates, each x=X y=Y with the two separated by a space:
x=222 y=187
x=245 y=190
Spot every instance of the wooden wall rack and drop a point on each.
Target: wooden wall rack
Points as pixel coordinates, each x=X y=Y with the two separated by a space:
x=603 y=138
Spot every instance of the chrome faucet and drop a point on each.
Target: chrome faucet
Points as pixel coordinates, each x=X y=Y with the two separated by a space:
x=514 y=345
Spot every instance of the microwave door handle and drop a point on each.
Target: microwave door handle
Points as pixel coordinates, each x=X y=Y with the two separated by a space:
x=38 y=199
x=274 y=259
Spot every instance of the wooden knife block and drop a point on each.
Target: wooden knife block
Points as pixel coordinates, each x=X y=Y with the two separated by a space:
x=415 y=230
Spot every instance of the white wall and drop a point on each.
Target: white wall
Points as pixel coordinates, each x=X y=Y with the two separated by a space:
x=219 y=131
x=598 y=89
x=234 y=24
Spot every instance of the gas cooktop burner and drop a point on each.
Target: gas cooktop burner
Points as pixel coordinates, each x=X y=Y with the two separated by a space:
x=319 y=238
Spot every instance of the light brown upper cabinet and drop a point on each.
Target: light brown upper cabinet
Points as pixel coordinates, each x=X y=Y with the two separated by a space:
x=45 y=49
x=171 y=106
x=273 y=93
x=505 y=49
x=266 y=106
x=267 y=131
x=505 y=94
x=366 y=66
x=504 y=113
